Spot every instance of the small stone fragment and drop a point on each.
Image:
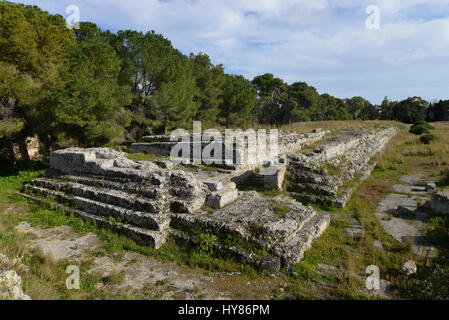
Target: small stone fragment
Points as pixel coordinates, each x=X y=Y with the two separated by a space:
x=165 y=164
x=10 y=282
x=409 y=268
x=378 y=245
x=430 y=186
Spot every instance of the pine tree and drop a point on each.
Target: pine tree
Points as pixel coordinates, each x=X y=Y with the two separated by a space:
x=91 y=105
x=239 y=100
x=210 y=81
x=35 y=44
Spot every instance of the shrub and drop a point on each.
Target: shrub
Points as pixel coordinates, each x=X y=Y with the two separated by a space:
x=419 y=130
x=421 y=127
x=427 y=139
x=445 y=179
x=423 y=123
x=433 y=284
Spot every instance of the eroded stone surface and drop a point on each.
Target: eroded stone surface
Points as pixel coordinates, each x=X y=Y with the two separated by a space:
x=400 y=216
x=10 y=282
x=61 y=243
x=378 y=245
x=287 y=142
x=402 y=229
x=329 y=173
x=409 y=268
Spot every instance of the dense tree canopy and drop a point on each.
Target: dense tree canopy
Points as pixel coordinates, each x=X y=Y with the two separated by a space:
x=438 y=111
x=33 y=50
x=90 y=107
x=272 y=96
x=239 y=99
x=210 y=80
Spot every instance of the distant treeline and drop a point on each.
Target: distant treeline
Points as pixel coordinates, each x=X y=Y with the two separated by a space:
x=89 y=87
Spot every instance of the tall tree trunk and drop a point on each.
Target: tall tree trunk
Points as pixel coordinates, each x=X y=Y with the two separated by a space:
x=165 y=125
x=12 y=156
x=24 y=151
x=49 y=144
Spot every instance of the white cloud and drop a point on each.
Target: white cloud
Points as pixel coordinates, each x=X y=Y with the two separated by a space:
x=322 y=42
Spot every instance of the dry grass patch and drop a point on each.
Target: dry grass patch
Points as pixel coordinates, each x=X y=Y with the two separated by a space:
x=304 y=127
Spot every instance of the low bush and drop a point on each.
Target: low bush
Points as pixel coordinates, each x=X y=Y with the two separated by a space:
x=421 y=127
x=419 y=130
x=445 y=177
x=428 y=138
x=424 y=124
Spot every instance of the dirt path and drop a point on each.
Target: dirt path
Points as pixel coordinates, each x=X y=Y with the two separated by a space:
x=399 y=212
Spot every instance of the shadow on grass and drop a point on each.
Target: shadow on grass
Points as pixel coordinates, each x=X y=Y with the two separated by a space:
x=6 y=169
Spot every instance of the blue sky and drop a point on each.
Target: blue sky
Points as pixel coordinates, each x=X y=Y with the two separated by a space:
x=322 y=42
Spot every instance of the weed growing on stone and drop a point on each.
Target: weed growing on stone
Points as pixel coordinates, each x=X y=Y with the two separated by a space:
x=281 y=210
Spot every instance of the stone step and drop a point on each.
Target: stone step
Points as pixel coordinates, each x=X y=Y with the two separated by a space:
x=292 y=252
x=140 y=219
x=221 y=198
x=240 y=255
x=142 y=236
x=306 y=183
x=313 y=188
x=109 y=196
x=250 y=220
x=149 y=191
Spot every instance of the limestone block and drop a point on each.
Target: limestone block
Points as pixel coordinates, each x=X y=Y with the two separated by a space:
x=219 y=199
x=214 y=185
x=409 y=268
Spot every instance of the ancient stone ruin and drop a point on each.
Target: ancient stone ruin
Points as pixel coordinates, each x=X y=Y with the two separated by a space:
x=216 y=206
x=328 y=173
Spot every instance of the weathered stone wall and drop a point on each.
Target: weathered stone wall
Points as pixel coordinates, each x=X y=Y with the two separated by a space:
x=176 y=190
x=287 y=142
x=329 y=173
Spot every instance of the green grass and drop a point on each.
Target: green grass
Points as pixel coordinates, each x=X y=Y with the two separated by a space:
x=143 y=157
x=331 y=169
x=273 y=193
x=281 y=210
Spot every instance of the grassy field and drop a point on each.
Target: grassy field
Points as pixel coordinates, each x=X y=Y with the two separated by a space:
x=45 y=279
x=304 y=127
